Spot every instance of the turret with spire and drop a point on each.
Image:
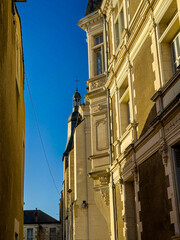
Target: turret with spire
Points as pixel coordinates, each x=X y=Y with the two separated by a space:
x=73 y=120
x=76 y=100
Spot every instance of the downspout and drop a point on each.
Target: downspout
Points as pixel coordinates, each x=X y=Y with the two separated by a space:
x=109 y=126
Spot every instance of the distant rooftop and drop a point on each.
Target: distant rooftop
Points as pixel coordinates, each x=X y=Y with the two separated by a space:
x=37 y=217
x=92 y=6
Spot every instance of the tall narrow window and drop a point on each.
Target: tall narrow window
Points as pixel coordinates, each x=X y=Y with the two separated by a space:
x=124 y=106
x=175 y=46
x=176 y=155
x=52 y=233
x=29 y=234
x=118 y=23
x=98 y=55
x=98 y=61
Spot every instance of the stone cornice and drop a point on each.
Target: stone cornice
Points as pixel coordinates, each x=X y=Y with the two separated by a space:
x=89 y=19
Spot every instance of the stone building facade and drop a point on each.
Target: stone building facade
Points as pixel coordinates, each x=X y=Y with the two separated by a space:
x=81 y=218
x=12 y=123
x=134 y=117
x=40 y=226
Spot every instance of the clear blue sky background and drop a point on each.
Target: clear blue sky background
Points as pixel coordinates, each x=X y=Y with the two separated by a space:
x=55 y=51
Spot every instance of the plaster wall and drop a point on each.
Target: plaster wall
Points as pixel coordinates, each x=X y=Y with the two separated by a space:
x=12 y=123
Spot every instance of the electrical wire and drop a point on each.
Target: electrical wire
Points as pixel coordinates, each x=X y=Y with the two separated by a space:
x=40 y=136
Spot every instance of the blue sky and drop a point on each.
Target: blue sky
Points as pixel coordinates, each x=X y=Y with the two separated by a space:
x=55 y=52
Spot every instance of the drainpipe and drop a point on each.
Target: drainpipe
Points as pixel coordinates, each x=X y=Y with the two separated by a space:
x=109 y=127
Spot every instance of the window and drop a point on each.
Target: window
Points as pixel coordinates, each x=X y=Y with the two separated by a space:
x=98 y=40
x=52 y=233
x=176 y=155
x=175 y=47
x=118 y=23
x=29 y=234
x=98 y=55
x=124 y=106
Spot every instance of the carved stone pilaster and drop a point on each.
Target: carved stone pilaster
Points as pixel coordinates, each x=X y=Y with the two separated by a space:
x=135 y=172
x=105 y=194
x=164 y=152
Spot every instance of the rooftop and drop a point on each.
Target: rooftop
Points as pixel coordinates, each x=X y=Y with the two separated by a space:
x=37 y=217
x=92 y=6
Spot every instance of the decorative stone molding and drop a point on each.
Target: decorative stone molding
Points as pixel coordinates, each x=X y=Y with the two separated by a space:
x=104 y=180
x=99 y=108
x=172 y=124
x=101 y=135
x=135 y=172
x=164 y=153
x=97 y=84
x=105 y=195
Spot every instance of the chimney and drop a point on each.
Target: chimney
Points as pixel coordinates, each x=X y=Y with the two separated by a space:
x=36 y=216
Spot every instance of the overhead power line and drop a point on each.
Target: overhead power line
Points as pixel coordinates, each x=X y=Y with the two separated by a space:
x=40 y=136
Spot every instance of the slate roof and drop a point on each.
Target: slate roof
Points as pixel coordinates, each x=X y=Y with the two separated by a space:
x=42 y=217
x=92 y=6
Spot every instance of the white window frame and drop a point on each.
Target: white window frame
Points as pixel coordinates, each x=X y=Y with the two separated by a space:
x=119 y=24
x=175 y=50
x=124 y=98
x=98 y=47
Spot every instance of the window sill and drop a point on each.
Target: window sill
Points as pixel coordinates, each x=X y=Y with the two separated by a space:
x=124 y=135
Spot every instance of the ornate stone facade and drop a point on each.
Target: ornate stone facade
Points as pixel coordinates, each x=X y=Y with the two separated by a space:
x=133 y=99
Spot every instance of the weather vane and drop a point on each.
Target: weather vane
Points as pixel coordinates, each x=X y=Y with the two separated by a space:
x=76 y=80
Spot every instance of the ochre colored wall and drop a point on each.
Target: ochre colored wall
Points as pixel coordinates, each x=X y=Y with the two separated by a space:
x=143 y=83
x=12 y=125
x=155 y=205
x=133 y=5
x=114 y=118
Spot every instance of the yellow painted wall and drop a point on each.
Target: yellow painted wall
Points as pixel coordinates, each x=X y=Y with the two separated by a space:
x=12 y=125
x=119 y=206
x=143 y=83
x=133 y=5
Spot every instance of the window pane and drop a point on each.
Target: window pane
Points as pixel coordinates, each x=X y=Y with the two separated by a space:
x=98 y=39
x=175 y=46
x=52 y=233
x=98 y=61
x=178 y=45
x=30 y=234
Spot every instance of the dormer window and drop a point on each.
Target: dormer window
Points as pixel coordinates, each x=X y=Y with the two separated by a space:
x=98 y=50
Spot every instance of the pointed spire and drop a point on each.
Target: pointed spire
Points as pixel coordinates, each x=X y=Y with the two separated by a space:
x=76 y=100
